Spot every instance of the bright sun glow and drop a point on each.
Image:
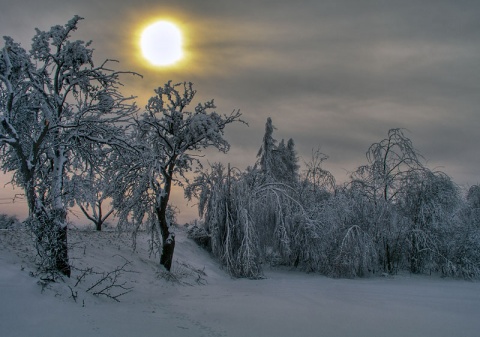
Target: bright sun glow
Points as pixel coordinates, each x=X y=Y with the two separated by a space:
x=161 y=43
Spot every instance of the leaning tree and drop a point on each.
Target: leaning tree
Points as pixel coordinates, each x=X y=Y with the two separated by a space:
x=166 y=140
x=57 y=110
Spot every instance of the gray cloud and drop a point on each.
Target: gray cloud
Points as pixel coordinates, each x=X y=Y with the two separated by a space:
x=334 y=74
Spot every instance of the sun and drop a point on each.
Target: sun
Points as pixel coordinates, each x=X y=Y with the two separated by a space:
x=161 y=43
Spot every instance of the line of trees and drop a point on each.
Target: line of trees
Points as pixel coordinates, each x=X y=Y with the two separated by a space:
x=393 y=214
x=70 y=137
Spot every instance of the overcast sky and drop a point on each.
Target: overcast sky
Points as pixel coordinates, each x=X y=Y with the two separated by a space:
x=334 y=75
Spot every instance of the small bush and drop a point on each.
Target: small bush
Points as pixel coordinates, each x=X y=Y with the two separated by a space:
x=8 y=221
x=200 y=235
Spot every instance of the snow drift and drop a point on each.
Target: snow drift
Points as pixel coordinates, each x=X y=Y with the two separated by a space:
x=200 y=299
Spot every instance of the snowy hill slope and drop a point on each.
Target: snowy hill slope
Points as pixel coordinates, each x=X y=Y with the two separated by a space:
x=201 y=300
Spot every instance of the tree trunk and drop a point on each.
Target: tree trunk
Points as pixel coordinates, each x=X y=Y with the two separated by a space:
x=389 y=259
x=58 y=242
x=61 y=255
x=168 y=237
x=98 y=223
x=414 y=255
x=52 y=244
x=167 y=252
x=59 y=214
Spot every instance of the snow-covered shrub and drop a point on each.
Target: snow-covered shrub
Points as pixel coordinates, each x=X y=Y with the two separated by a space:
x=8 y=221
x=199 y=234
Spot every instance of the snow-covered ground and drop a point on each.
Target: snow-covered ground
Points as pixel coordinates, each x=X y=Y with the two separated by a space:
x=204 y=301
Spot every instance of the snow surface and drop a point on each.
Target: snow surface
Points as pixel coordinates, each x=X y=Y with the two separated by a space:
x=204 y=301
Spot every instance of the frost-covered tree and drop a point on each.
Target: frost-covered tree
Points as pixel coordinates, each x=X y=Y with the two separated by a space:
x=278 y=163
x=317 y=182
x=429 y=207
x=286 y=162
x=462 y=247
x=390 y=161
x=56 y=108
x=290 y=159
x=225 y=203
x=167 y=139
x=379 y=183
x=256 y=216
x=473 y=196
x=265 y=154
x=395 y=214
x=91 y=191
